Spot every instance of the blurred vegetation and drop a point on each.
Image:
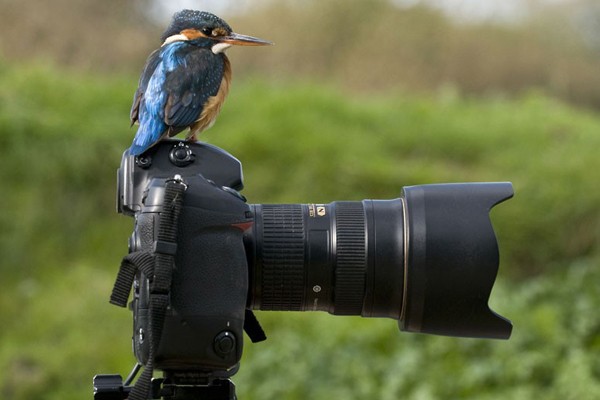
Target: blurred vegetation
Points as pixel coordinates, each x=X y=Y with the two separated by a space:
x=366 y=46
x=410 y=98
x=108 y=35
x=61 y=239
x=374 y=45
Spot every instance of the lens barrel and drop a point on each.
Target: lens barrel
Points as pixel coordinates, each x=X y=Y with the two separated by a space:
x=428 y=259
x=326 y=257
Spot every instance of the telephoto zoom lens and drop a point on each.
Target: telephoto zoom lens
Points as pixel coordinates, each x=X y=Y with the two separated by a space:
x=428 y=259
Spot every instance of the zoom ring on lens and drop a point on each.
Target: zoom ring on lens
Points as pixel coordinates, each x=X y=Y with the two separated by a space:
x=282 y=257
x=350 y=258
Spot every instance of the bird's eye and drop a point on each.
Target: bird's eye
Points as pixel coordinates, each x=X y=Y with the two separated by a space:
x=207 y=31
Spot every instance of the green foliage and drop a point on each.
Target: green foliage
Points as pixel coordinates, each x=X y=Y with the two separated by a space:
x=61 y=241
x=58 y=134
x=552 y=354
x=324 y=146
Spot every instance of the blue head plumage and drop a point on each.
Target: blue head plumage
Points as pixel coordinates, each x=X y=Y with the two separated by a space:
x=192 y=19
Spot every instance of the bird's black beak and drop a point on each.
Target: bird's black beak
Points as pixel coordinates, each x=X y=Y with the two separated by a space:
x=244 y=40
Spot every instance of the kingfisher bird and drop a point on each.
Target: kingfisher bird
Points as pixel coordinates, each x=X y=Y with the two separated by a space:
x=184 y=83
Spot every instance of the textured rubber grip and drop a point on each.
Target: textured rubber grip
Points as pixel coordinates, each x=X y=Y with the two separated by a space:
x=351 y=258
x=282 y=257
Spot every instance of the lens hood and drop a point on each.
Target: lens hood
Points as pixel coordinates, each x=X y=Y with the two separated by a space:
x=452 y=260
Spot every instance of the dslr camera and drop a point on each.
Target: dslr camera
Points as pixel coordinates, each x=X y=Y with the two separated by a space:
x=201 y=259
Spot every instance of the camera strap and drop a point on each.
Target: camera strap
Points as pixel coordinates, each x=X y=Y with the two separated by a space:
x=157 y=265
x=142 y=261
x=252 y=327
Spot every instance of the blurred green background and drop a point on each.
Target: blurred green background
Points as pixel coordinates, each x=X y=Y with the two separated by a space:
x=355 y=100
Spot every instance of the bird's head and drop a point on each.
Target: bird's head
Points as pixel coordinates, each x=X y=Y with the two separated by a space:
x=204 y=29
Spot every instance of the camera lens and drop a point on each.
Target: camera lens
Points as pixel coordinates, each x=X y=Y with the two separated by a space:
x=428 y=259
x=346 y=258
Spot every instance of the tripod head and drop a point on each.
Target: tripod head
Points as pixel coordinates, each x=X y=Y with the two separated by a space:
x=172 y=387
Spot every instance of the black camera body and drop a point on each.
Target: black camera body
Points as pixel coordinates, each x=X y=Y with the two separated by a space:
x=203 y=325
x=428 y=259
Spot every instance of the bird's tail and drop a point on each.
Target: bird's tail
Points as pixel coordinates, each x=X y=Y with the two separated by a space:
x=148 y=135
x=136 y=149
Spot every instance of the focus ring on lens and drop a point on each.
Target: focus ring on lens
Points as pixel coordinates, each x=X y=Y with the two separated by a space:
x=282 y=257
x=350 y=258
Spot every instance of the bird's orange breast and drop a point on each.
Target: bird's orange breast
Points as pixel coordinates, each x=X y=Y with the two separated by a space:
x=212 y=107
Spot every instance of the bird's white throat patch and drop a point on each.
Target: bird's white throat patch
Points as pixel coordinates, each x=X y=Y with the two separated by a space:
x=220 y=47
x=174 y=38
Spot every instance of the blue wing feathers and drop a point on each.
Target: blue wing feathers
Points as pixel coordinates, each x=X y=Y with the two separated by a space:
x=151 y=114
x=176 y=83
